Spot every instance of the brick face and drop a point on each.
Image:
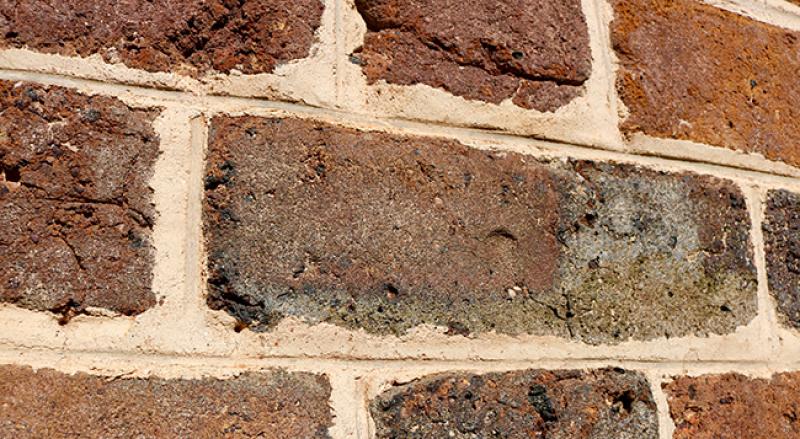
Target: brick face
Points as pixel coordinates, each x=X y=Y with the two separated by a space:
x=385 y=232
x=733 y=406
x=692 y=71
x=276 y=404
x=782 y=248
x=75 y=205
x=185 y=36
x=596 y=404
x=538 y=57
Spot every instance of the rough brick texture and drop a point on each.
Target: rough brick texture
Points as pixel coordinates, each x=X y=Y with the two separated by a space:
x=383 y=232
x=185 y=36
x=574 y=404
x=782 y=247
x=692 y=71
x=535 y=52
x=274 y=404
x=733 y=406
x=75 y=206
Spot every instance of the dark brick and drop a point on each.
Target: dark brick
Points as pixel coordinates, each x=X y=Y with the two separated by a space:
x=75 y=206
x=385 y=232
x=598 y=404
x=691 y=71
x=733 y=406
x=185 y=36
x=273 y=404
x=538 y=55
x=782 y=247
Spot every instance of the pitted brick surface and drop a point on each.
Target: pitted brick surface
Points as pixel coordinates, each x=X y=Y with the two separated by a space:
x=691 y=71
x=75 y=206
x=275 y=404
x=733 y=406
x=598 y=404
x=385 y=232
x=184 y=36
x=782 y=248
x=535 y=52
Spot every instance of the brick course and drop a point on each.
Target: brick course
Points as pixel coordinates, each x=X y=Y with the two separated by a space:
x=75 y=206
x=382 y=232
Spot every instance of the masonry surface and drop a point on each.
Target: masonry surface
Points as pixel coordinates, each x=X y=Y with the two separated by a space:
x=399 y=218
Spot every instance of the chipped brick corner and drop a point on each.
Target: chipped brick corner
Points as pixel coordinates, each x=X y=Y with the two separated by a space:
x=399 y=218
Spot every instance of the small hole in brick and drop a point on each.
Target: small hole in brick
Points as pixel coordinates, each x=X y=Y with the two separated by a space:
x=11 y=174
x=725 y=308
x=517 y=54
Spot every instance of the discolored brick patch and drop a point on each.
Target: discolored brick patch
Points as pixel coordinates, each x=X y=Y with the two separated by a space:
x=386 y=232
x=275 y=404
x=782 y=248
x=691 y=71
x=597 y=404
x=191 y=37
x=534 y=52
x=75 y=205
x=733 y=406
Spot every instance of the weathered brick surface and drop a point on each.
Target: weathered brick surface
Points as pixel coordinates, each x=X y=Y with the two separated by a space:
x=691 y=71
x=186 y=36
x=535 y=52
x=597 y=404
x=274 y=404
x=75 y=207
x=733 y=406
x=385 y=232
x=782 y=247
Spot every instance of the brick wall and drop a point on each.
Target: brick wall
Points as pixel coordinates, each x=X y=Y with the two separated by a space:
x=400 y=218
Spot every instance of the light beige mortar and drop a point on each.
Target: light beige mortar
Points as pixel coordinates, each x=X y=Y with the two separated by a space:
x=309 y=80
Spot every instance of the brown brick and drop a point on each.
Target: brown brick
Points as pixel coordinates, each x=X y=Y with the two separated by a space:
x=691 y=71
x=782 y=246
x=597 y=404
x=75 y=206
x=539 y=56
x=733 y=406
x=272 y=404
x=386 y=232
x=185 y=36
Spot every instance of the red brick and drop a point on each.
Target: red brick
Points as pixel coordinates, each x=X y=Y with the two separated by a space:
x=273 y=404
x=597 y=404
x=75 y=208
x=185 y=36
x=733 y=406
x=535 y=52
x=386 y=232
x=691 y=71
